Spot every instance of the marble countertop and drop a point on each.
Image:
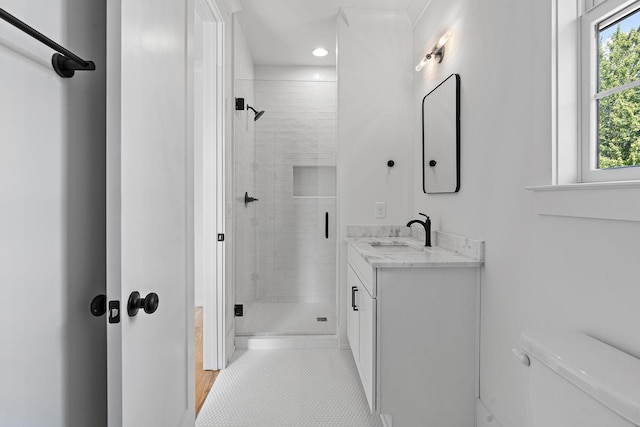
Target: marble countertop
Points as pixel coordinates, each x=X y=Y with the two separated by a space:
x=407 y=252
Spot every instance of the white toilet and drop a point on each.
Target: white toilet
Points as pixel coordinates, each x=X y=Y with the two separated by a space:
x=577 y=381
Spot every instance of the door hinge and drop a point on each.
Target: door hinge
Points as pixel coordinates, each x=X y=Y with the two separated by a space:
x=238 y=310
x=114 y=311
x=220 y=237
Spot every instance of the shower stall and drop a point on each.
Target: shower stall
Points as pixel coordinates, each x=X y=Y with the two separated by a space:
x=285 y=207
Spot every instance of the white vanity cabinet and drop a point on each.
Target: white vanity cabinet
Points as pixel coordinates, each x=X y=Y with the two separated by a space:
x=413 y=333
x=360 y=330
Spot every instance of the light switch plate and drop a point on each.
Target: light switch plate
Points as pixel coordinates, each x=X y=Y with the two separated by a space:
x=381 y=209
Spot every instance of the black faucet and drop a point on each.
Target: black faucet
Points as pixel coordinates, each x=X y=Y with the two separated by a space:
x=427 y=227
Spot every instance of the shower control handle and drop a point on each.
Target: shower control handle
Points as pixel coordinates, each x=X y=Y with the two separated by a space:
x=248 y=199
x=354 y=289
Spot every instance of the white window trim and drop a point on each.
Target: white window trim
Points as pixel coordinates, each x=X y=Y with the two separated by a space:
x=564 y=121
x=566 y=194
x=598 y=200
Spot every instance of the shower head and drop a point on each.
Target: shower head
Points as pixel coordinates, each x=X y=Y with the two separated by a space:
x=257 y=113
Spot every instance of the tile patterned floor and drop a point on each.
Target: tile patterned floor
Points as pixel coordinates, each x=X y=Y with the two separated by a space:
x=288 y=388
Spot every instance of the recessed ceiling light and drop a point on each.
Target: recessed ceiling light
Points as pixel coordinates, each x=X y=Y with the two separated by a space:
x=320 y=52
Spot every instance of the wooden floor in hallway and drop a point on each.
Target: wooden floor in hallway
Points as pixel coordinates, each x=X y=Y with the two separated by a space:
x=204 y=379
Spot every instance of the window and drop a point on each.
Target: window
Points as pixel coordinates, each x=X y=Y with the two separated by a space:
x=610 y=92
x=580 y=179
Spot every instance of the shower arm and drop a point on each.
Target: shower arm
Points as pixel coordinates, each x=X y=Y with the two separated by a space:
x=256 y=113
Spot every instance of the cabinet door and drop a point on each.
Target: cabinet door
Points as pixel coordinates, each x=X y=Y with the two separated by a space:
x=366 y=309
x=353 y=320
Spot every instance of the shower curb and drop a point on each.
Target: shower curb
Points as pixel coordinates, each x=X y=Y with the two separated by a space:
x=285 y=342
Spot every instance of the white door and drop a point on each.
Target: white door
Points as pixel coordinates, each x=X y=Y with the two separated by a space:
x=149 y=215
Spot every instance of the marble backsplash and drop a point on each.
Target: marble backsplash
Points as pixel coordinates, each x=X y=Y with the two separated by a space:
x=380 y=231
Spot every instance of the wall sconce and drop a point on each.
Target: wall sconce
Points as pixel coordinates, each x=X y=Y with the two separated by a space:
x=437 y=51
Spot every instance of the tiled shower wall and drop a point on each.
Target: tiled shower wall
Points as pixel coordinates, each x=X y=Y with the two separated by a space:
x=295 y=262
x=283 y=254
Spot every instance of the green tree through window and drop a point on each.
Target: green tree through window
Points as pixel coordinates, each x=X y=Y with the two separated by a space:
x=619 y=113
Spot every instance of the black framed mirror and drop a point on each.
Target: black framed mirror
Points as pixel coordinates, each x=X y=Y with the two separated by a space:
x=441 y=137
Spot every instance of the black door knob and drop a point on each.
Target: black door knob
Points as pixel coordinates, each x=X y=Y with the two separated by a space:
x=99 y=305
x=149 y=303
x=432 y=163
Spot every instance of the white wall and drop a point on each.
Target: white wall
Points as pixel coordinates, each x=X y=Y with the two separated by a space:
x=374 y=124
x=52 y=219
x=540 y=270
x=303 y=73
x=415 y=8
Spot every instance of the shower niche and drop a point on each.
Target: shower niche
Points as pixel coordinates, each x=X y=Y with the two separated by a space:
x=285 y=254
x=314 y=181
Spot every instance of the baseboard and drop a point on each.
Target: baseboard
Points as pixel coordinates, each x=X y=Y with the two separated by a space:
x=285 y=342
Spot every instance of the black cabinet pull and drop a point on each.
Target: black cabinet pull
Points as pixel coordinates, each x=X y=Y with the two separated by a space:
x=354 y=289
x=326 y=225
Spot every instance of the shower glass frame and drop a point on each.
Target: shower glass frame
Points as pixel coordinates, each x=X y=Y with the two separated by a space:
x=285 y=260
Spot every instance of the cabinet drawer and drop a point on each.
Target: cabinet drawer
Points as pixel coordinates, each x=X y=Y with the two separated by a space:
x=364 y=271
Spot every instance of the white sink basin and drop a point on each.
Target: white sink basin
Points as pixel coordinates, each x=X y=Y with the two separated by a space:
x=394 y=247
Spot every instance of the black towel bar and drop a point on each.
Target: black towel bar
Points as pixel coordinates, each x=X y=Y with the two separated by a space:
x=65 y=63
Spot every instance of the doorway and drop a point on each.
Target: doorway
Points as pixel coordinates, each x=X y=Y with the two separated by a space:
x=208 y=169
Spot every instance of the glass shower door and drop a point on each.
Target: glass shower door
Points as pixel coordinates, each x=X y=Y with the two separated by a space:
x=286 y=251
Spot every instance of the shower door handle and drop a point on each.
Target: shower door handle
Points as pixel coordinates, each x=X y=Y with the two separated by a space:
x=354 y=289
x=326 y=225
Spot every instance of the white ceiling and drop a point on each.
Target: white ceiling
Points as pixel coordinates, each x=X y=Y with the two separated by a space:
x=284 y=32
